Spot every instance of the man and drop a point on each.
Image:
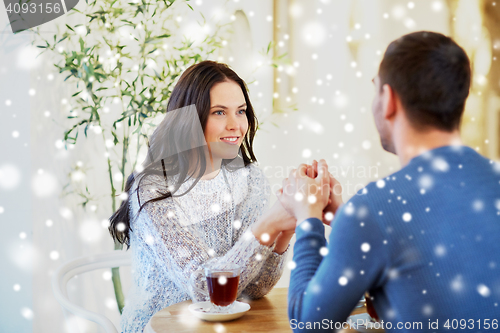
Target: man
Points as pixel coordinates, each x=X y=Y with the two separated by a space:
x=423 y=241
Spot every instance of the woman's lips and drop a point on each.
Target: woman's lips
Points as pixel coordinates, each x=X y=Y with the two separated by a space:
x=232 y=140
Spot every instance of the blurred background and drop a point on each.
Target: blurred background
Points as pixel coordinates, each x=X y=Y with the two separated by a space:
x=308 y=65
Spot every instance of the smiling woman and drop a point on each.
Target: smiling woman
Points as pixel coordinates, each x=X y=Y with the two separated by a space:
x=227 y=123
x=200 y=197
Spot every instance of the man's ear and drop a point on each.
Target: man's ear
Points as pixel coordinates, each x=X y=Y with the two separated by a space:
x=389 y=102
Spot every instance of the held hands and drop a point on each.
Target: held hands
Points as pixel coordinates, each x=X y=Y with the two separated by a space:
x=303 y=196
x=311 y=191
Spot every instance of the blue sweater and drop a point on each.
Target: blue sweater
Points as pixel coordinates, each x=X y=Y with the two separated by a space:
x=425 y=242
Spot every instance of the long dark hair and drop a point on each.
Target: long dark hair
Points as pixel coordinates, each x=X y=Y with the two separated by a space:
x=193 y=88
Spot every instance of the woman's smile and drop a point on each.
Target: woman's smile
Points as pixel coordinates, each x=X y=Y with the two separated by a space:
x=232 y=140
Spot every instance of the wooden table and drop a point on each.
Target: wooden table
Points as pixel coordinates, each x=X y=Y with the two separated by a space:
x=268 y=314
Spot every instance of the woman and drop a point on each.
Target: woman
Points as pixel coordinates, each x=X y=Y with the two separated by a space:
x=195 y=202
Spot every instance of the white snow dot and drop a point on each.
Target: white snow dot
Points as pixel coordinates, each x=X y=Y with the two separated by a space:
x=54 y=255
x=426 y=182
x=497 y=204
x=237 y=224
x=27 y=313
x=22 y=235
x=306 y=153
x=8 y=102
x=407 y=217
x=311 y=199
x=478 y=205
x=120 y=226
x=16 y=287
x=292 y=265
x=219 y=328
x=366 y=144
x=258 y=257
x=306 y=226
x=299 y=196
x=393 y=273
x=365 y=247
x=222 y=280
x=265 y=237
x=349 y=210
x=439 y=164
x=440 y=250
x=349 y=127
x=457 y=284
x=437 y=6
x=15 y=134
x=343 y=281
x=10 y=177
x=215 y=208
x=90 y=231
x=32 y=92
x=329 y=216
x=385 y=241
x=149 y=239
x=107 y=275
x=424 y=291
x=170 y=214
x=362 y=272
x=422 y=191
x=2 y=210
x=483 y=290
x=110 y=303
x=44 y=184
x=49 y=223
x=427 y=310
x=211 y=252
x=59 y=144
x=323 y=251
x=118 y=177
x=427 y=209
x=380 y=183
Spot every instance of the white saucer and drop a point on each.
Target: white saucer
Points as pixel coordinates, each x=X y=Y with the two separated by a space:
x=372 y=327
x=204 y=310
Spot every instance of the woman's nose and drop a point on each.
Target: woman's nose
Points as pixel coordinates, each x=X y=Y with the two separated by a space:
x=232 y=123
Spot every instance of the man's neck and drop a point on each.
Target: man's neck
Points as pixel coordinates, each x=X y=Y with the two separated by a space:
x=412 y=143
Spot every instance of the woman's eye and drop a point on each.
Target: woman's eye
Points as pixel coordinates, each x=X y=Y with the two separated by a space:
x=219 y=113
x=242 y=111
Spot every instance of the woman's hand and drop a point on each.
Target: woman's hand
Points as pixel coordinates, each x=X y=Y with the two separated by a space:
x=283 y=240
x=334 y=202
x=303 y=196
x=335 y=199
x=272 y=223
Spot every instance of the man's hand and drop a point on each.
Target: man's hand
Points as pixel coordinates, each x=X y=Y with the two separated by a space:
x=335 y=199
x=303 y=196
x=334 y=202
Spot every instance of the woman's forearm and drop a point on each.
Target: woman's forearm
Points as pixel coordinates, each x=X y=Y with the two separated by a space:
x=283 y=241
x=270 y=225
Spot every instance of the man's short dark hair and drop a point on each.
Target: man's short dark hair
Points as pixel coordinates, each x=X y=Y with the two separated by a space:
x=431 y=75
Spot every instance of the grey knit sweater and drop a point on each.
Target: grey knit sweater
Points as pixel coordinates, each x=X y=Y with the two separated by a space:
x=172 y=238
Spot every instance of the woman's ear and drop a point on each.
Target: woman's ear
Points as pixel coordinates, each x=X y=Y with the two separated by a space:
x=389 y=103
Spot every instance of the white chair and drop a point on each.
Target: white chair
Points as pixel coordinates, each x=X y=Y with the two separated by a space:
x=81 y=265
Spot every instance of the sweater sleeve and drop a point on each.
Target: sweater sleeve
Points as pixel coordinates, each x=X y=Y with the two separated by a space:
x=268 y=276
x=330 y=278
x=248 y=211
x=180 y=250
